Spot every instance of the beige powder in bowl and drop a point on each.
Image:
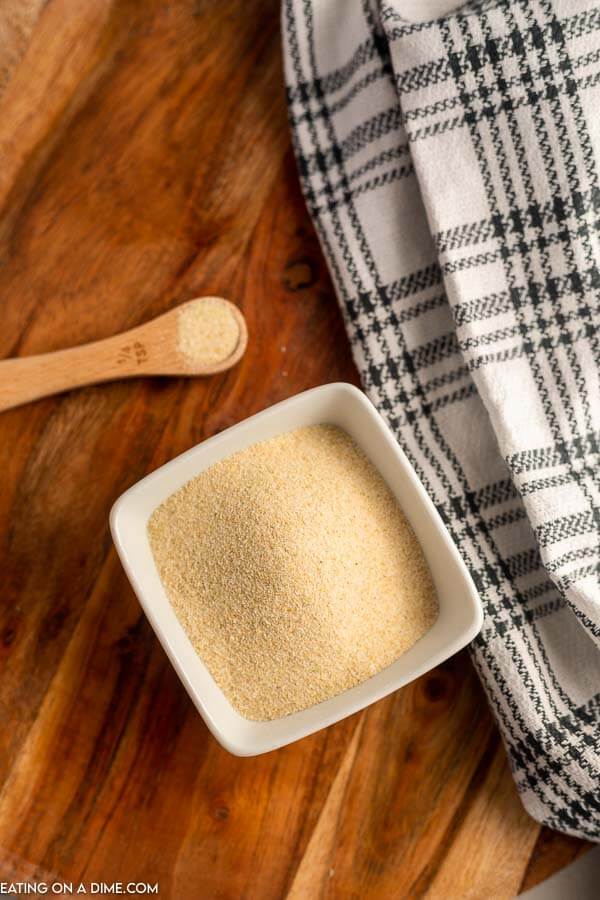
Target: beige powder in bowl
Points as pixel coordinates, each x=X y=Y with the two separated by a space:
x=207 y=332
x=293 y=571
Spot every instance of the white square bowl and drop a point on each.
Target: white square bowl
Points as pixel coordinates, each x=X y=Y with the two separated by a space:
x=460 y=614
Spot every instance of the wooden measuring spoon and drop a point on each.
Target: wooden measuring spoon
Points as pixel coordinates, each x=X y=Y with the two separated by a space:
x=199 y=337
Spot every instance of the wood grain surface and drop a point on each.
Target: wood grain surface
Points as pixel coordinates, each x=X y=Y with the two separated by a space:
x=145 y=159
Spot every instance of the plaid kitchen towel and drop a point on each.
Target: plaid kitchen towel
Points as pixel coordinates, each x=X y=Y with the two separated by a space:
x=451 y=167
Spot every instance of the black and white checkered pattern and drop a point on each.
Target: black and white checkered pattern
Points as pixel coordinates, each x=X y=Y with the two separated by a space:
x=452 y=171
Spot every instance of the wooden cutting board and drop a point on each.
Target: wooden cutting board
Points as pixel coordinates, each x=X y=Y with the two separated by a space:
x=145 y=159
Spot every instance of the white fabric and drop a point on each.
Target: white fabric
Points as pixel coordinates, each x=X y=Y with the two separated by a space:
x=451 y=169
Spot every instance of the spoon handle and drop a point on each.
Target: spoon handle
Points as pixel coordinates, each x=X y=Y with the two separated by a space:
x=31 y=377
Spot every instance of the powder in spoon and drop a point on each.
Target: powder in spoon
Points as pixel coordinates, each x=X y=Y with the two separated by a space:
x=293 y=571
x=207 y=332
